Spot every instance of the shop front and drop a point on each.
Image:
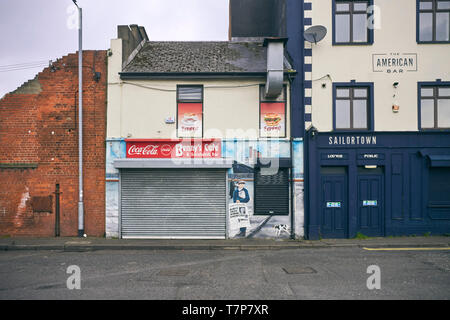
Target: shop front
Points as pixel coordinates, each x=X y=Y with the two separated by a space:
x=173 y=189
x=204 y=188
x=377 y=184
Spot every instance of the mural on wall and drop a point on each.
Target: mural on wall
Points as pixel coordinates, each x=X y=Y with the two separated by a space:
x=115 y=149
x=243 y=222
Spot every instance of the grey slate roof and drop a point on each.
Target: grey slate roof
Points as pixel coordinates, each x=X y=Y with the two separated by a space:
x=199 y=57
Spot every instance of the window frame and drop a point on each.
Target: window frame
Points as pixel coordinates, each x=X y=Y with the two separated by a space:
x=435 y=85
x=434 y=203
x=370 y=104
x=178 y=101
x=434 y=10
x=370 y=32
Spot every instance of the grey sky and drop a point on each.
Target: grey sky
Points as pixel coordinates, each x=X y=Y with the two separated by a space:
x=37 y=30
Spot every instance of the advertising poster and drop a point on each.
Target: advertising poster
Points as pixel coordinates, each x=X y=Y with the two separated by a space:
x=239 y=217
x=273 y=119
x=190 y=120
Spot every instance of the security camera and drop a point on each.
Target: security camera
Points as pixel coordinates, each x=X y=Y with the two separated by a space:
x=395 y=84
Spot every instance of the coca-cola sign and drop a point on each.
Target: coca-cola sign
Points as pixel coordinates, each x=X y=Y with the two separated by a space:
x=173 y=148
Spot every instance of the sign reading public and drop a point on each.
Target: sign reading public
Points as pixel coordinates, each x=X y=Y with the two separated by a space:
x=174 y=148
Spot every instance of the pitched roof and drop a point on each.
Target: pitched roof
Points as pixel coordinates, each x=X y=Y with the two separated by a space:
x=200 y=57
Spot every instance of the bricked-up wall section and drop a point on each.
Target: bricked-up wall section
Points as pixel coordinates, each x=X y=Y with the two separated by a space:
x=39 y=149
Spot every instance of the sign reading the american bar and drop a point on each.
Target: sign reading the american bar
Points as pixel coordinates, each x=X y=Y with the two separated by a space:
x=174 y=148
x=394 y=62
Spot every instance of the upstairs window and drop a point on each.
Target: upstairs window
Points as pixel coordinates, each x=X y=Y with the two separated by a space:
x=190 y=111
x=350 y=22
x=352 y=106
x=434 y=106
x=433 y=21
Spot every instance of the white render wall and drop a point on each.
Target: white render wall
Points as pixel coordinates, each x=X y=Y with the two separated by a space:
x=231 y=107
x=345 y=63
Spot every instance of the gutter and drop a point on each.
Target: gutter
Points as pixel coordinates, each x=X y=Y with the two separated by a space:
x=197 y=75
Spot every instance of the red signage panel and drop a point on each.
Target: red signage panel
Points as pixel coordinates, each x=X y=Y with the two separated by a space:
x=185 y=148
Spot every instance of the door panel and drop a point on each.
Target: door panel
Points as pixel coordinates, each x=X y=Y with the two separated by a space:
x=370 y=204
x=333 y=206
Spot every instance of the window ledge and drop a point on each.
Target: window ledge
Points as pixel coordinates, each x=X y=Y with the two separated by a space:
x=352 y=43
x=433 y=42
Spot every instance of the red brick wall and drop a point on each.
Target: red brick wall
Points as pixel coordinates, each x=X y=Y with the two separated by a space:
x=41 y=127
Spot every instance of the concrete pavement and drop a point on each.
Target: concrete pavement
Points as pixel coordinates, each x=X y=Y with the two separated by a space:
x=72 y=244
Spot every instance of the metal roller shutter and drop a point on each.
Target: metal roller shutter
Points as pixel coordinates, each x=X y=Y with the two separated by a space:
x=272 y=193
x=173 y=203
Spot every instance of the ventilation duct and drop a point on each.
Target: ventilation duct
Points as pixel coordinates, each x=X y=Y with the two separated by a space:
x=275 y=66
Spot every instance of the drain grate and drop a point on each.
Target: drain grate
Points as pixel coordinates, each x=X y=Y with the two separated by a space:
x=173 y=272
x=299 y=270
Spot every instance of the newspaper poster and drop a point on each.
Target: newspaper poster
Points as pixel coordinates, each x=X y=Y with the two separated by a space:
x=239 y=216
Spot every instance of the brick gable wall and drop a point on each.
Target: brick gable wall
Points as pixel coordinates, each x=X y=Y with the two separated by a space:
x=39 y=149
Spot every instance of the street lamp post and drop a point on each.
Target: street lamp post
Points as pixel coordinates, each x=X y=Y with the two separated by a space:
x=80 y=123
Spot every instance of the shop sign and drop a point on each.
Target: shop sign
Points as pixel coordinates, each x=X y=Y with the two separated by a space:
x=334 y=156
x=352 y=140
x=370 y=156
x=394 y=62
x=369 y=203
x=333 y=204
x=174 y=148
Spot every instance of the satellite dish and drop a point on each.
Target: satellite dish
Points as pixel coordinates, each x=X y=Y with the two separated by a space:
x=315 y=33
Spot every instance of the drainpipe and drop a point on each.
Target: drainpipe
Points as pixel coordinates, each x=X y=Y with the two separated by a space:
x=80 y=124
x=291 y=145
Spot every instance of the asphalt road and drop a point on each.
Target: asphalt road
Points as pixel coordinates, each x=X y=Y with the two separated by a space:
x=331 y=273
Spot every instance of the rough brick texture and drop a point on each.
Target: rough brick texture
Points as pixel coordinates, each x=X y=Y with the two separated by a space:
x=39 y=126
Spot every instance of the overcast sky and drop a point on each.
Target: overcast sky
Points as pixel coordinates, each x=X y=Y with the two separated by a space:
x=39 y=30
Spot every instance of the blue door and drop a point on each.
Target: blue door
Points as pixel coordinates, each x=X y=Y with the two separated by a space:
x=333 y=208
x=370 y=202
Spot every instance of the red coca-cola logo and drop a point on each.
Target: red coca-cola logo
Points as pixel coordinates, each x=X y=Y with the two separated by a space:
x=148 y=150
x=166 y=149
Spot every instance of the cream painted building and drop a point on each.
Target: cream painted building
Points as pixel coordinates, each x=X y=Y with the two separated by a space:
x=163 y=184
x=394 y=37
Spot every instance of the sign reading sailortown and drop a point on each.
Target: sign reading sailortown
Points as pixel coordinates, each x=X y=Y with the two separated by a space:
x=352 y=140
x=394 y=62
